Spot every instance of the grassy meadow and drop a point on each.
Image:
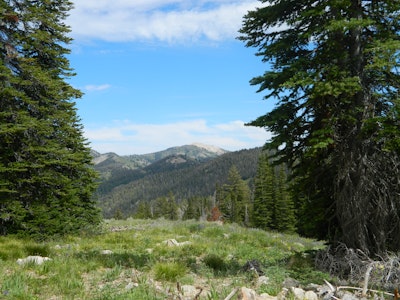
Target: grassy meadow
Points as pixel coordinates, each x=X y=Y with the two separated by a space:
x=152 y=259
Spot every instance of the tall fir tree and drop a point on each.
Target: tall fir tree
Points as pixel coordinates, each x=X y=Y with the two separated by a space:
x=284 y=218
x=273 y=205
x=194 y=208
x=143 y=210
x=264 y=195
x=335 y=74
x=46 y=177
x=166 y=207
x=234 y=198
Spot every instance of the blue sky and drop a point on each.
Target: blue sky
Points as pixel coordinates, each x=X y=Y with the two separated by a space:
x=163 y=73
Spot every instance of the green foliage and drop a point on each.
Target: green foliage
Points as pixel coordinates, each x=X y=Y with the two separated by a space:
x=46 y=178
x=195 y=208
x=165 y=207
x=169 y=271
x=284 y=207
x=215 y=262
x=143 y=210
x=301 y=266
x=334 y=72
x=233 y=199
x=277 y=275
x=263 y=194
x=273 y=204
x=32 y=248
x=213 y=259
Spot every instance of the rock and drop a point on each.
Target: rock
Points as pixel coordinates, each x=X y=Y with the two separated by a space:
x=298 y=293
x=173 y=243
x=189 y=291
x=289 y=283
x=131 y=285
x=106 y=252
x=282 y=294
x=38 y=260
x=349 y=296
x=184 y=243
x=310 y=295
x=262 y=280
x=265 y=296
x=312 y=287
x=247 y=294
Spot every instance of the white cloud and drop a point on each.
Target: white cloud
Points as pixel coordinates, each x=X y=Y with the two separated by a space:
x=124 y=137
x=101 y=87
x=162 y=20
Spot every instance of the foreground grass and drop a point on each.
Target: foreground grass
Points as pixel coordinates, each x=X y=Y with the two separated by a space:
x=141 y=265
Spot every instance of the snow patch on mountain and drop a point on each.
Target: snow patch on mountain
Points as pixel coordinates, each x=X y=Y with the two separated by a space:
x=210 y=148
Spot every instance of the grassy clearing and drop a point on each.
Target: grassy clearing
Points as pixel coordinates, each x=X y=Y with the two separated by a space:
x=141 y=265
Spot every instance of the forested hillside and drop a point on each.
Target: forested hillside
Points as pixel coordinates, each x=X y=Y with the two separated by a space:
x=183 y=175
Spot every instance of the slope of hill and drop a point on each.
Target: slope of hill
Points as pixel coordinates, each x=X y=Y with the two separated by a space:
x=157 y=260
x=104 y=163
x=195 y=151
x=117 y=170
x=184 y=175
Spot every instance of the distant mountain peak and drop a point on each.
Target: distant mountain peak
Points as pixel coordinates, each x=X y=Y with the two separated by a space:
x=210 y=148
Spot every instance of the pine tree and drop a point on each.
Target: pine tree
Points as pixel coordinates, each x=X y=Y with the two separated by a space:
x=171 y=211
x=166 y=207
x=46 y=177
x=263 y=202
x=273 y=204
x=335 y=74
x=143 y=210
x=193 y=208
x=234 y=198
x=284 y=218
x=160 y=206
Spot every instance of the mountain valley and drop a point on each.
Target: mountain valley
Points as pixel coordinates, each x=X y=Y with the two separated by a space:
x=185 y=171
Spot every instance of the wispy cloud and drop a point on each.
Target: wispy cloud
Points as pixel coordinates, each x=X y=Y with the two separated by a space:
x=125 y=137
x=101 y=87
x=162 y=20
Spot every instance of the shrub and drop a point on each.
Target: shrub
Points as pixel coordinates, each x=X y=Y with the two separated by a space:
x=215 y=262
x=169 y=271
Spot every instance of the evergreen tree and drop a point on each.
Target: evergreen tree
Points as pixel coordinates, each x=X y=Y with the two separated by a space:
x=171 y=212
x=159 y=207
x=143 y=210
x=263 y=194
x=273 y=204
x=284 y=213
x=234 y=198
x=166 y=207
x=46 y=177
x=193 y=208
x=334 y=72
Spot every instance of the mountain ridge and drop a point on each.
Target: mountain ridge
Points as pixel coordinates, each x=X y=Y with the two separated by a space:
x=196 y=151
x=185 y=171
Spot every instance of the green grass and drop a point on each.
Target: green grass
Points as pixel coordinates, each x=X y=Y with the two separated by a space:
x=142 y=266
x=169 y=271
